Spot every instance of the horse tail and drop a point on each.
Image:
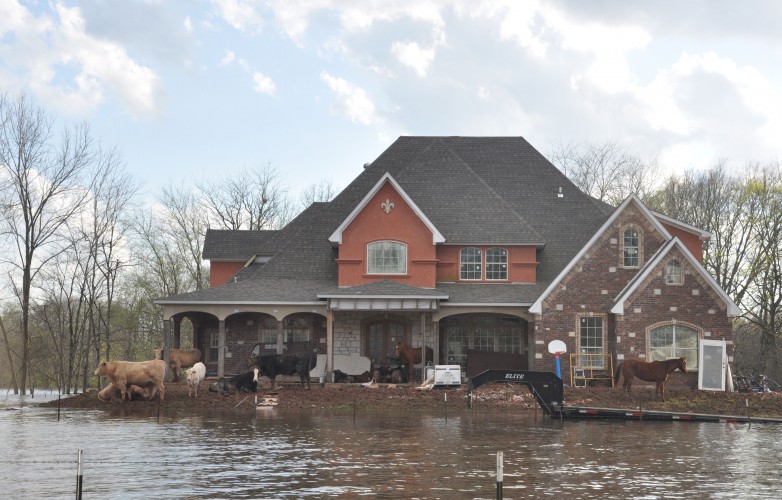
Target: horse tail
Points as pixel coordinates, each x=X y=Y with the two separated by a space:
x=617 y=373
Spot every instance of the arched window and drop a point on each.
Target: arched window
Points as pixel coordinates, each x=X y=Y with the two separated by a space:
x=470 y=264
x=631 y=248
x=387 y=257
x=496 y=264
x=674 y=341
x=673 y=273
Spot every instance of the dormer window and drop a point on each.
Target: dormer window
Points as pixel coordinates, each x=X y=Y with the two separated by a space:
x=631 y=248
x=673 y=273
x=470 y=264
x=387 y=257
x=496 y=264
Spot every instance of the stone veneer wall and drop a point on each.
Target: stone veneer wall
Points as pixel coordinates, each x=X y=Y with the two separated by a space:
x=349 y=329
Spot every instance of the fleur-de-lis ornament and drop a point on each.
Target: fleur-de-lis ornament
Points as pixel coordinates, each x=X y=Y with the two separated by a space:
x=387 y=206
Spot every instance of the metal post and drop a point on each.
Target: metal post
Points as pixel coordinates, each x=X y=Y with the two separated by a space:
x=499 y=475
x=78 y=476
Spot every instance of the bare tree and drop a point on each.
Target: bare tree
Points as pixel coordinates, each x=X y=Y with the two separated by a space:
x=42 y=192
x=607 y=171
x=256 y=199
x=187 y=223
x=323 y=190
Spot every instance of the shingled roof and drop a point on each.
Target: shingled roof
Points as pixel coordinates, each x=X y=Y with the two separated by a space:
x=476 y=190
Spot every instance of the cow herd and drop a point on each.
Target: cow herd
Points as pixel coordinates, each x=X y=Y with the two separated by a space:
x=129 y=380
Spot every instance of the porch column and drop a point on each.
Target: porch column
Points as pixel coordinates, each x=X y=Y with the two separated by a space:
x=423 y=348
x=221 y=349
x=329 y=344
x=167 y=345
x=436 y=341
x=177 y=332
x=279 y=337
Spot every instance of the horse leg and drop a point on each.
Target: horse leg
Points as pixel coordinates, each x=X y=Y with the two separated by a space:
x=628 y=385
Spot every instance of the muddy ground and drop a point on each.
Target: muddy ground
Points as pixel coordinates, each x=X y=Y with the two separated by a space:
x=406 y=397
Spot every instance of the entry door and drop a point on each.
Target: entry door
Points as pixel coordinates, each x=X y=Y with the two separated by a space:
x=382 y=338
x=713 y=356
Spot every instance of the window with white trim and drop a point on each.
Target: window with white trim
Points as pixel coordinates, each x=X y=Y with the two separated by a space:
x=470 y=261
x=631 y=248
x=269 y=330
x=591 y=341
x=386 y=257
x=496 y=264
x=297 y=329
x=674 y=341
x=673 y=273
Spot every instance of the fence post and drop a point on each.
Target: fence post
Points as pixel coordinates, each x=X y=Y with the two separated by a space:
x=78 y=476
x=499 y=475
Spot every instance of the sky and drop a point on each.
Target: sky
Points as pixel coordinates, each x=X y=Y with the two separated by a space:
x=200 y=89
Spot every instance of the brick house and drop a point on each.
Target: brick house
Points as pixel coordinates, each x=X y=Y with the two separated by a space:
x=477 y=247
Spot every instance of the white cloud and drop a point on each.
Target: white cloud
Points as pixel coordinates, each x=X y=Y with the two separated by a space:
x=188 y=24
x=228 y=58
x=49 y=48
x=263 y=84
x=243 y=15
x=352 y=101
x=411 y=54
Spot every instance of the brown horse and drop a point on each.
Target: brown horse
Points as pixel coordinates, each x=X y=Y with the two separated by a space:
x=411 y=355
x=651 y=371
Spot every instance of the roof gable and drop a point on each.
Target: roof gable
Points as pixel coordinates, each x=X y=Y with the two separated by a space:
x=336 y=236
x=537 y=306
x=618 y=308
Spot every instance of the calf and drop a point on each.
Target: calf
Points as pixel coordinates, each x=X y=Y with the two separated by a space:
x=244 y=382
x=271 y=365
x=194 y=377
x=110 y=392
x=180 y=358
x=124 y=374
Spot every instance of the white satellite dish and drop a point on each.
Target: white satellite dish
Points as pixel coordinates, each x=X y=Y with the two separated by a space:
x=557 y=347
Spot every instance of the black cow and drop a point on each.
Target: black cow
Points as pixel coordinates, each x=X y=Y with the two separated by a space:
x=271 y=365
x=244 y=382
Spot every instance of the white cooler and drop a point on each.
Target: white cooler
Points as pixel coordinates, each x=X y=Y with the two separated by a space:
x=447 y=375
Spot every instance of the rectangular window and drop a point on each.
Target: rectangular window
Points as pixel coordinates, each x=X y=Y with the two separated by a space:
x=496 y=264
x=297 y=329
x=631 y=248
x=591 y=342
x=470 y=264
x=269 y=332
x=387 y=257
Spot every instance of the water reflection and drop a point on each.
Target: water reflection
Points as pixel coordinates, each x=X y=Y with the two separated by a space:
x=387 y=455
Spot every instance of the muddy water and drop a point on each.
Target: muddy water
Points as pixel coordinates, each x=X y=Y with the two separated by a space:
x=272 y=454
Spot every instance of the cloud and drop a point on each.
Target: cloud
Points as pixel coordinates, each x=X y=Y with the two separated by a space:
x=243 y=15
x=352 y=101
x=71 y=69
x=228 y=58
x=188 y=24
x=263 y=84
x=411 y=54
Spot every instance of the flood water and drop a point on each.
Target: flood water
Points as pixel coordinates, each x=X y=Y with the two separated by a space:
x=274 y=454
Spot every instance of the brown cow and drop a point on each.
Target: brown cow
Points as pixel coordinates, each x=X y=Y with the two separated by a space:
x=124 y=374
x=180 y=358
x=110 y=392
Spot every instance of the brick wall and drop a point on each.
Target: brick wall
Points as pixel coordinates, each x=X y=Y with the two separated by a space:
x=593 y=284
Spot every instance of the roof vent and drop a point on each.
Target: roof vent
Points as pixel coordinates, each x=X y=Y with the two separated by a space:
x=367 y=165
x=559 y=194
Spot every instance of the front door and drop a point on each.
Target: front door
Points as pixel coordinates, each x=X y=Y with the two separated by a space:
x=381 y=340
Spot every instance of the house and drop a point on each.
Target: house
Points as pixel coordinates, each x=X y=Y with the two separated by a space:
x=476 y=247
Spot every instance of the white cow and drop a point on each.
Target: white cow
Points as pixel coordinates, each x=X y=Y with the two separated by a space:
x=194 y=377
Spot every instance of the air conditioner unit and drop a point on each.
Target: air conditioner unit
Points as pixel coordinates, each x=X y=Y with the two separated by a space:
x=447 y=375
